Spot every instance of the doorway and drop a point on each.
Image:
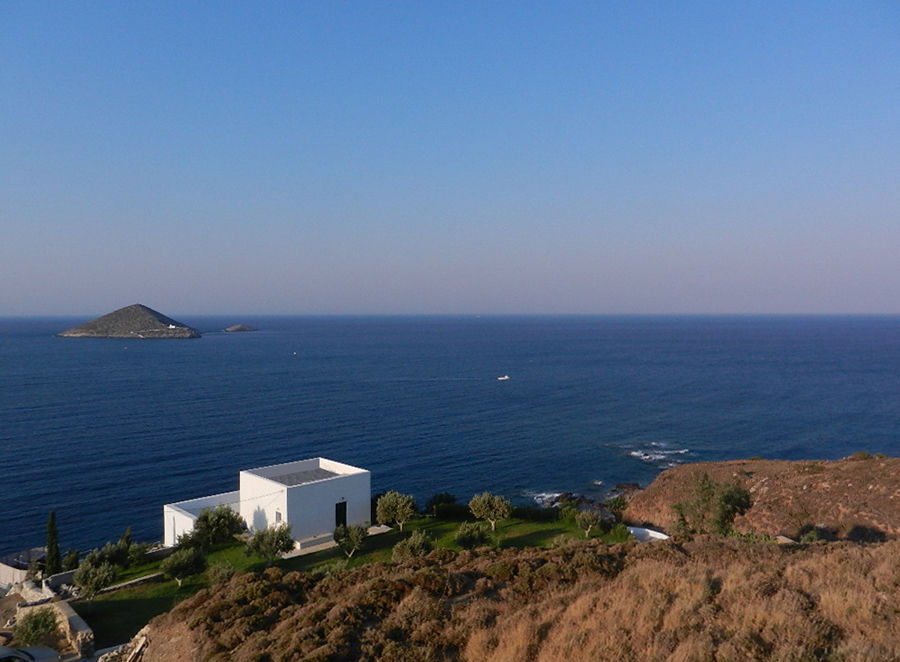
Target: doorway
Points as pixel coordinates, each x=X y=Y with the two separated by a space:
x=340 y=514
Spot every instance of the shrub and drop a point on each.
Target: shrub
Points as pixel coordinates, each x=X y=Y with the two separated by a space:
x=711 y=509
x=437 y=500
x=452 y=511
x=219 y=573
x=271 y=543
x=35 y=625
x=137 y=554
x=213 y=527
x=416 y=546
x=93 y=575
x=617 y=505
x=70 y=560
x=472 y=534
x=567 y=512
x=619 y=533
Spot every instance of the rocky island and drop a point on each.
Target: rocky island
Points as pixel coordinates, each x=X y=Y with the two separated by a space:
x=239 y=328
x=135 y=321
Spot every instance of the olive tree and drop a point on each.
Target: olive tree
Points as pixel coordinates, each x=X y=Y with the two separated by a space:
x=587 y=520
x=92 y=577
x=395 y=507
x=183 y=563
x=213 y=526
x=271 y=543
x=350 y=538
x=490 y=507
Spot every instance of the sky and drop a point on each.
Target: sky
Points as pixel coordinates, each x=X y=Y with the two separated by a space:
x=450 y=157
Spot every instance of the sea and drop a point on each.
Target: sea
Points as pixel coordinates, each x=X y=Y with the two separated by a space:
x=105 y=432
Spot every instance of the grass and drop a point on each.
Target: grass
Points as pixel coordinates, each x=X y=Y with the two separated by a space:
x=118 y=615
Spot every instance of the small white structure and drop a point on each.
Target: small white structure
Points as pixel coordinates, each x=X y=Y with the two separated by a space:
x=313 y=496
x=646 y=535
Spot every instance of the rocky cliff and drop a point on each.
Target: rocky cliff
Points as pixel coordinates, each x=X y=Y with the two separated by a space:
x=135 y=321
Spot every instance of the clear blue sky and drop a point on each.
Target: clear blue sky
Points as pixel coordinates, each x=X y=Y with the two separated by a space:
x=450 y=157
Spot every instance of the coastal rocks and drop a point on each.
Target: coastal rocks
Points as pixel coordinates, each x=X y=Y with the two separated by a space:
x=136 y=322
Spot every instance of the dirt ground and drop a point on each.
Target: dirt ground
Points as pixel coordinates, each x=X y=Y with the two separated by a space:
x=7 y=611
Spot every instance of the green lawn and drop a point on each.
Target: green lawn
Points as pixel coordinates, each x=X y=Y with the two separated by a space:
x=115 y=617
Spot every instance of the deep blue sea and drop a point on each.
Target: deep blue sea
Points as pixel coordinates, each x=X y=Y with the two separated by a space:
x=107 y=431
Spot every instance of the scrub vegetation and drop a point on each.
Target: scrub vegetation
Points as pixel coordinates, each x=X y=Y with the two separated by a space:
x=707 y=599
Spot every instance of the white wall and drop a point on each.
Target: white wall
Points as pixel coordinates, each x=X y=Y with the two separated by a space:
x=179 y=518
x=310 y=507
x=260 y=499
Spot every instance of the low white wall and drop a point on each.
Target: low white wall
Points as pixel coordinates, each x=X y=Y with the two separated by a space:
x=179 y=518
x=10 y=575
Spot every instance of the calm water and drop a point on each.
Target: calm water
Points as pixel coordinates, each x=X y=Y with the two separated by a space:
x=107 y=431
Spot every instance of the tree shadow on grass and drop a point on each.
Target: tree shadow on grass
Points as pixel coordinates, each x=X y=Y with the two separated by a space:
x=534 y=538
x=116 y=621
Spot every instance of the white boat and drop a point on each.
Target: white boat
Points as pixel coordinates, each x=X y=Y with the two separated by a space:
x=504 y=378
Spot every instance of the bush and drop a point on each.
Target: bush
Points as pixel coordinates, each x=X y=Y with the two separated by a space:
x=219 y=573
x=452 y=511
x=711 y=509
x=437 y=500
x=70 y=560
x=472 y=534
x=137 y=554
x=416 y=546
x=93 y=575
x=619 y=533
x=617 y=505
x=271 y=543
x=213 y=527
x=34 y=626
x=567 y=512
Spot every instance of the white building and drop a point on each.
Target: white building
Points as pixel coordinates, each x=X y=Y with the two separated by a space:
x=313 y=496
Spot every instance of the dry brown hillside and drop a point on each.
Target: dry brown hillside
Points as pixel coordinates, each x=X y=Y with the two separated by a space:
x=704 y=600
x=857 y=498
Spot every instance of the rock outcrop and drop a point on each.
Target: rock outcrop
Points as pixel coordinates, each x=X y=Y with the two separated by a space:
x=136 y=321
x=857 y=498
x=239 y=328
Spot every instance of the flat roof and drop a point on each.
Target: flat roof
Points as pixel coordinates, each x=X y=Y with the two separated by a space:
x=302 y=477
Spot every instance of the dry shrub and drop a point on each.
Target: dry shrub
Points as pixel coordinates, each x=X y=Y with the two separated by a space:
x=710 y=599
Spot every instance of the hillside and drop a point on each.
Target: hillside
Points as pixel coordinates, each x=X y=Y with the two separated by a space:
x=706 y=600
x=135 y=321
x=857 y=498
